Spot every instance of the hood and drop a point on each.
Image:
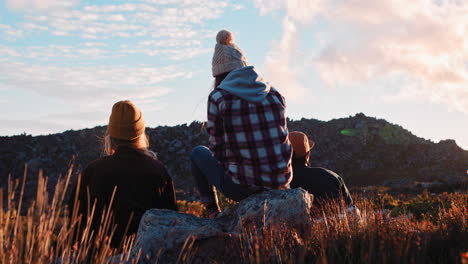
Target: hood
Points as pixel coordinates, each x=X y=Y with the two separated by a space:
x=246 y=83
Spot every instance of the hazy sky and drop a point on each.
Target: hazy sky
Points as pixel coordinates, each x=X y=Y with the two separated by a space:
x=63 y=63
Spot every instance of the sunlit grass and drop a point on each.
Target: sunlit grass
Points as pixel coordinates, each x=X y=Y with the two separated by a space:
x=420 y=229
x=48 y=233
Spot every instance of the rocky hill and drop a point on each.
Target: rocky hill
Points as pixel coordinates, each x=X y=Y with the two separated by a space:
x=364 y=150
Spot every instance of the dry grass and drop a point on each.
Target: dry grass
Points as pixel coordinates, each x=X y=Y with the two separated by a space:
x=46 y=232
x=376 y=237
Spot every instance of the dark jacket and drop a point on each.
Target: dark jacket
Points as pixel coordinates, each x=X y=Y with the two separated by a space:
x=322 y=183
x=142 y=183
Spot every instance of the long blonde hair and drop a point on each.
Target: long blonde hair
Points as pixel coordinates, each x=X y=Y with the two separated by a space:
x=112 y=144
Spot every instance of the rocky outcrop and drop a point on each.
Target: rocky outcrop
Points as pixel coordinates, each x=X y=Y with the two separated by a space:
x=370 y=151
x=167 y=236
x=363 y=150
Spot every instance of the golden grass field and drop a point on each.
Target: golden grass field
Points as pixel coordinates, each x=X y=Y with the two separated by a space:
x=419 y=229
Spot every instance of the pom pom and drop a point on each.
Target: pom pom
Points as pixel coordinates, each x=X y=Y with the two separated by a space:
x=224 y=37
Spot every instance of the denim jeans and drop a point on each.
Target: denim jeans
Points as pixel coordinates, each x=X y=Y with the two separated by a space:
x=209 y=173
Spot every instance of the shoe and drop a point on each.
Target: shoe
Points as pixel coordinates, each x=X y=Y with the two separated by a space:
x=353 y=211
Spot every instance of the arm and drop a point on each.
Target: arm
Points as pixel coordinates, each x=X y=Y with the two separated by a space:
x=215 y=129
x=167 y=197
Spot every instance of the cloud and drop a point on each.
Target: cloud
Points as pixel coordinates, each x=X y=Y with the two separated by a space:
x=31 y=5
x=153 y=19
x=86 y=94
x=8 y=52
x=32 y=126
x=89 y=86
x=120 y=8
x=283 y=63
x=56 y=48
x=46 y=53
x=54 y=123
x=10 y=32
x=422 y=45
x=77 y=118
x=298 y=10
x=174 y=30
x=280 y=64
x=173 y=48
x=182 y=22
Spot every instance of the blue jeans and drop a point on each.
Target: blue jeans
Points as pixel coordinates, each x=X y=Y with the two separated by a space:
x=209 y=173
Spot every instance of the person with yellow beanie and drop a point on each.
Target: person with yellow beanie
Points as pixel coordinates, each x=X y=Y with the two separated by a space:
x=324 y=184
x=140 y=179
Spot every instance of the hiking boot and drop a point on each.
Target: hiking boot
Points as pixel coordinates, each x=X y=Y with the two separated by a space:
x=352 y=209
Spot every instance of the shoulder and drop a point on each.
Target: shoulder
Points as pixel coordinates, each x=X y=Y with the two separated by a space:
x=153 y=161
x=96 y=164
x=216 y=95
x=322 y=171
x=156 y=165
x=277 y=96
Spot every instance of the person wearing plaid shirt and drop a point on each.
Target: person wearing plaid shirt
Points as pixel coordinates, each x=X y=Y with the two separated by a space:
x=248 y=150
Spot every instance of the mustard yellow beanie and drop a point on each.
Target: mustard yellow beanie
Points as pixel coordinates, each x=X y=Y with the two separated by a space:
x=126 y=121
x=300 y=143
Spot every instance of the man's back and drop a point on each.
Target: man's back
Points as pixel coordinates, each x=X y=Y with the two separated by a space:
x=322 y=183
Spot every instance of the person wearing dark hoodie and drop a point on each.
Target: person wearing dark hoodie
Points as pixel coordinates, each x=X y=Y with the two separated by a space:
x=140 y=180
x=324 y=184
x=248 y=149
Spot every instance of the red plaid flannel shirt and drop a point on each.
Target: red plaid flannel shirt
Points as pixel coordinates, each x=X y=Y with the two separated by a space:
x=250 y=140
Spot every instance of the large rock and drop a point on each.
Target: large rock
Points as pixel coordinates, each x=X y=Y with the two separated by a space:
x=273 y=207
x=168 y=236
x=162 y=234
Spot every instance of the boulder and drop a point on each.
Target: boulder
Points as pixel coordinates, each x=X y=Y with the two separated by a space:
x=273 y=207
x=163 y=233
x=167 y=236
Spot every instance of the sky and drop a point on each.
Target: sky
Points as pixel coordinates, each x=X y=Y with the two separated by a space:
x=63 y=63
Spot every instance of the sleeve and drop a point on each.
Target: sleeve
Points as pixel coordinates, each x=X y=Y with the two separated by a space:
x=167 y=197
x=282 y=99
x=215 y=129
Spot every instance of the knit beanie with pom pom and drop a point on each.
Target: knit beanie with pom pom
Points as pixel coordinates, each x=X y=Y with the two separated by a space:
x=227 y=55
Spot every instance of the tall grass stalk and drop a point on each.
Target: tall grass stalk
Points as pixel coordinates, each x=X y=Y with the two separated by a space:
x=48 y=233
x=338 y=236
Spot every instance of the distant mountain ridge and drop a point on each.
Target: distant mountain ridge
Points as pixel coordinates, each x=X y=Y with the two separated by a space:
x=364 y=150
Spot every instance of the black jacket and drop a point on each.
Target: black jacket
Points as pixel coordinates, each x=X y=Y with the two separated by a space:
x=322 y=183
x=142 y=183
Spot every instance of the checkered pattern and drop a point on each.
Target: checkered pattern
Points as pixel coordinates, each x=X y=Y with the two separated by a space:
x=250 y=139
